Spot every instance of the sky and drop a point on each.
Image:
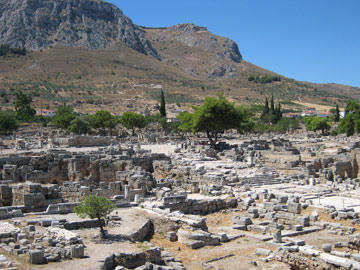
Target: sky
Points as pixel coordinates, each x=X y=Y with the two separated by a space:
x=307 y=40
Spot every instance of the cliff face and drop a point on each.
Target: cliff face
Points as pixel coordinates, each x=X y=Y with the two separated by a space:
x=196 y=36
x=39 y=24
x=212 y=56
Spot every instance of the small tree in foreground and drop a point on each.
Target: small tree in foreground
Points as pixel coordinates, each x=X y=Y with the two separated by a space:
x=95 y=207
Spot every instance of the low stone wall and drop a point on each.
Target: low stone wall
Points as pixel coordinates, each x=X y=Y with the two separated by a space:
x=81 y=141
x=153 y=258
x=200 y=207
x=141 y=233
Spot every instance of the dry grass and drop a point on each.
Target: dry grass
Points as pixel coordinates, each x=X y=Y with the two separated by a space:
x=219 y=219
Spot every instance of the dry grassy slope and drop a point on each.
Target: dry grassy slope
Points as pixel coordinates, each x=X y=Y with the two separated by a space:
x=347 y=90
x=115 y=80
x=126 y=80
x=200 y=62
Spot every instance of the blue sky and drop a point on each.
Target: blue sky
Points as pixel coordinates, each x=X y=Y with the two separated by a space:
x=308 y=40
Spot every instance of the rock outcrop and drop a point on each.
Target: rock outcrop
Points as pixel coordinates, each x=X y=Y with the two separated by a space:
x=40 y=24
x=184 y=33
x=220 y=56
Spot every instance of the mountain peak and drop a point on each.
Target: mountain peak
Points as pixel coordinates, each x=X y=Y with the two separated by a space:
x=187 y=28
x=41 y=24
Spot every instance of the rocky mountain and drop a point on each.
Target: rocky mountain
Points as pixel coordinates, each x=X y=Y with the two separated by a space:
x=41 y=24
x=222 y=54
x=87 y=53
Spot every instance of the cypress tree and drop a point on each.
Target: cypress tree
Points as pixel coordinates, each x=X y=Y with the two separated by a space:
x=272 y=106
x=337 y=114
x=162 y=105
x=266 y=109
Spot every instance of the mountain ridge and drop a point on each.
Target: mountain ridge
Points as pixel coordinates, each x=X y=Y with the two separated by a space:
x=41 y=24
x=124 y=65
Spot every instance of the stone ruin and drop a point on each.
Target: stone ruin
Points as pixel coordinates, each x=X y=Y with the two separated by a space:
x=245 y=178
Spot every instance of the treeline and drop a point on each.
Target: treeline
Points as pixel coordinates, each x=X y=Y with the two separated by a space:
x=264 y=79
x=7 y=49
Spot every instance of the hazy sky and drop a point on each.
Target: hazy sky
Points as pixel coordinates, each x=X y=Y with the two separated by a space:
x=308 y=40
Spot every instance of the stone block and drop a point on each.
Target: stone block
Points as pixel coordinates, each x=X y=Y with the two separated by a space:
x=327 y=248
x=355 y=257
x=77 y=251
x=195 y=244
x=24 y=242
x=242 y=220
x=153 y=255
x=294 y=208
x=337 y=261
x=263 y=252
x=171 y=236
x=36 y=257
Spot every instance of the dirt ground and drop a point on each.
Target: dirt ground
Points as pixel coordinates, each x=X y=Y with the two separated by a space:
x=239 y=253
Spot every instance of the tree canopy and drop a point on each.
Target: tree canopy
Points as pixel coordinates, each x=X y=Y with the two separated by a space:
x=8 y=122
x=22 y=105
x=63 y=117
x=95 y=207
x=131 y=120
x=315 y=123
x=213 y=117
x=103 y=119
x=350 y=124
x=79 y=126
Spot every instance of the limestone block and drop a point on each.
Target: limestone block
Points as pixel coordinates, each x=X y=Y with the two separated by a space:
x=36 y=257
x=242 y=220
x=171 y=236
x=338 y=261
x=263 y=252
x=153 y=255
x=294 y=208
x=77 y=251
x=195 y=244
x=277 y=237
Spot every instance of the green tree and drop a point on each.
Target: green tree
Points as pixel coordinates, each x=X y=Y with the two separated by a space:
x=337 y=114
x=266 y=109
x=103 y=119
x=286 y=124
x=350 y=124
x=316 y=123
x=79 y=126
x=162 y=108
x=186 y=124
x=132 y=120
x=95 y=207
x=8 y=122
x=213 y=117
x=22 y=105
x=272 y=105
x=63 y=117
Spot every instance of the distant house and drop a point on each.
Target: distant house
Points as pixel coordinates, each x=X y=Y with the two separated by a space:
x=309 y=112
x=323 y=114
x=44 y=112
x=292 y=115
